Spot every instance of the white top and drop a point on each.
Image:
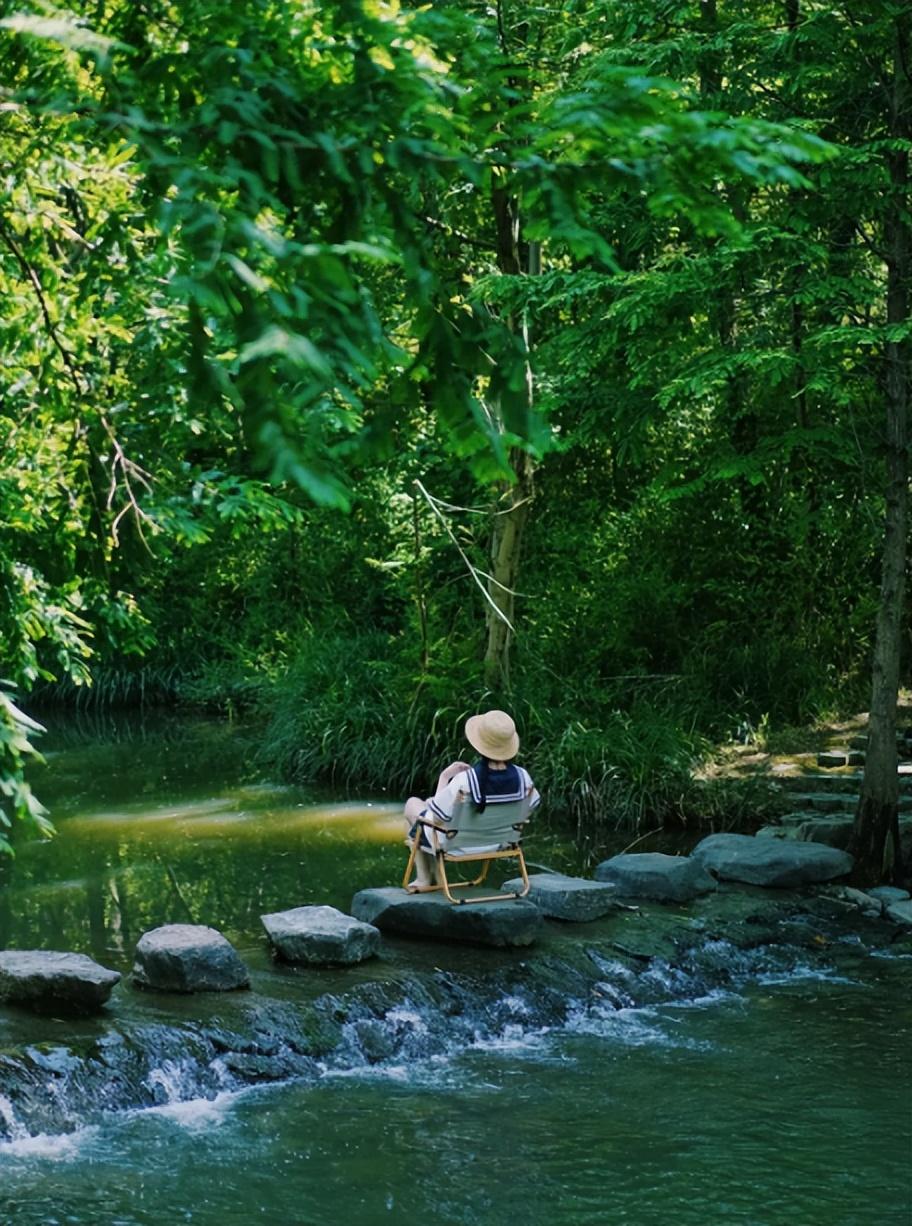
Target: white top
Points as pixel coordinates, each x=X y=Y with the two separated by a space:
x=444 y=801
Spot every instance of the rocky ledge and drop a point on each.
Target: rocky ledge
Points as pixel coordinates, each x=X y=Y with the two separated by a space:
x=45 y=981
x=507 y=924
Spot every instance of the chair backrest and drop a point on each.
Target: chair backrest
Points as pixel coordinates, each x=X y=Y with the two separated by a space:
x=490 y=829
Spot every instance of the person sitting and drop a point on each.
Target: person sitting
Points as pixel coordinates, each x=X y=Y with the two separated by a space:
x=495 y=779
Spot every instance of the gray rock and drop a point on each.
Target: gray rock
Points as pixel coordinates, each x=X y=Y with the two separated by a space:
x=567 y=898
x=501 y=924
x=45 y=980
x=900 y=912
x=889 y=893
x=188 y=958
x=781 y=863
x=320 y=936
x=654 y=875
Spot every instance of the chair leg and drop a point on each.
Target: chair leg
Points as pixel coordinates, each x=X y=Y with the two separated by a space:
x=523 y=871
x=411 y=863
x=442 y=879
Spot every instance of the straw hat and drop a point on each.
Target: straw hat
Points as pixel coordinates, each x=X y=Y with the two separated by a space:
x=493 y=735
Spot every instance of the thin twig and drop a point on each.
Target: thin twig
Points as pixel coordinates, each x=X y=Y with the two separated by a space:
x=640 y=838
x=473 y=571
x=49 y=324
x=128 y=469
x=451 y=506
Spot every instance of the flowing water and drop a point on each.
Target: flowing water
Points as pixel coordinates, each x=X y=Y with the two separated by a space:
x=707 y=1080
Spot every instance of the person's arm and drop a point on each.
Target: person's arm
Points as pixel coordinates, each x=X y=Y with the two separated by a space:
x=448 y=793
x=449 y=773
x=532 y=799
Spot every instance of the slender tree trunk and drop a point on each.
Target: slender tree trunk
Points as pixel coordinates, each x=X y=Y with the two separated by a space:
x=506 y=545
x=512 y=512
x=875 y=836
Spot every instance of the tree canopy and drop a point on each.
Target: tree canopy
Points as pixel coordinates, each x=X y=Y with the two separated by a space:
x=615 y=281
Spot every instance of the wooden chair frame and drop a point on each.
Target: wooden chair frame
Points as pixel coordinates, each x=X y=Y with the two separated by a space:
x=437 y=836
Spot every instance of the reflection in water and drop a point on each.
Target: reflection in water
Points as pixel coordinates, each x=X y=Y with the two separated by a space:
x=168 y=827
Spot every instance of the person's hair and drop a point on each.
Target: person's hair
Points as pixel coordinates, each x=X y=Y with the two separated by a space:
x=481 y=773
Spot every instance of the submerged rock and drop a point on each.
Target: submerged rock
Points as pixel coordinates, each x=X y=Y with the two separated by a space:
x=567 y=898
x=188 y=958
x=779 y=863
x=46 y=980
x=502 y=924
x=320 y=936
x=656 y=876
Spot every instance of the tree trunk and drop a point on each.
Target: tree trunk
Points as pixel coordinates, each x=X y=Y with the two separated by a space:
x=875 y=836
x=506 y=543
x=513 y=509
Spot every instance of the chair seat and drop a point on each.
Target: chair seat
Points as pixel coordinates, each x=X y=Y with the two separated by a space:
x=483 y=837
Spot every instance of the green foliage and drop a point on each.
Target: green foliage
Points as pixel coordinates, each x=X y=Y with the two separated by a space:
x=263 y=262
x=16 y=797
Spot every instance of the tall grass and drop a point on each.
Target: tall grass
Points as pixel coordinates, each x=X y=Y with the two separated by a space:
x=349 y=711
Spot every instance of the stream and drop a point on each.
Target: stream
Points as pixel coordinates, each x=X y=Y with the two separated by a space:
x=648 y=1069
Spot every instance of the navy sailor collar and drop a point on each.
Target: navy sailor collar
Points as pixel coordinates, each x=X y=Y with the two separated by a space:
x=502 y=786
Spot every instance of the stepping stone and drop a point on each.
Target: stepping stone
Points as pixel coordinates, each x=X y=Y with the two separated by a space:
x=826 y=802
x=567 y=898
x=320 y=936
x=780 y=863
x=656 y=876
x=832 y=759
x=45 y=980
x=188 y=958
x=500 y=924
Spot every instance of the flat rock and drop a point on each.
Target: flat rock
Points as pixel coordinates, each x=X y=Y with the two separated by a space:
x=900 y=912
x=45 y=980
x=652 y=874
x=506 y=924
x=781 y=863
x=831 y=759
x=320 y=936
x=567 y=898
x=188 y=958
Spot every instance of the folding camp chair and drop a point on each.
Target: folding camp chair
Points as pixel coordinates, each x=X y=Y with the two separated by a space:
x=473 y=837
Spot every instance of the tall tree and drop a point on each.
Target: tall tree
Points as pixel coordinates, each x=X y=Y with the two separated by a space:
x=875 y=837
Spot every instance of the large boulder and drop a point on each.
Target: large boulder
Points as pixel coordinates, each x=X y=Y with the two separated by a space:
x=781 y=863
x=188 y=958
x=320 y=936
x=45 y=980
x=503 y=924
x=656 y=876
x=567 y=898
